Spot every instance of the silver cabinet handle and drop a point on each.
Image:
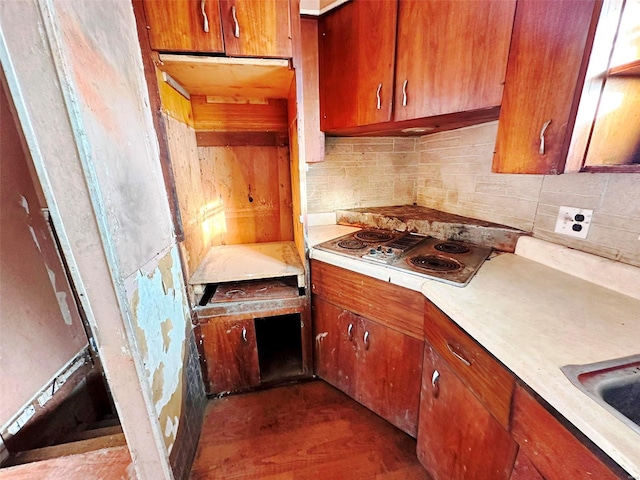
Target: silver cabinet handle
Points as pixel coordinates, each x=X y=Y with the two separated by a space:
x=236 y=28
x=365 y=339
x=205 y=19
x=244 y=334
x=379 y=102
x=458 y=356
x=350 y=331
x=404 y=93
x=544 y=128
x=435 y=377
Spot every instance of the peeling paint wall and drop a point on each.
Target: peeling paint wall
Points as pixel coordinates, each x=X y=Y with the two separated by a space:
x=159 y=311
x=40 y=329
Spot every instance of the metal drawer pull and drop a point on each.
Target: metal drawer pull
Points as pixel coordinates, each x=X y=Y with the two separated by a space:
x=350 y=331
x=244 y=334
x=236 y=28
x=435 y=376
x=404 y=93
x=544 y=128
x=379 y=103
x=205 y=22
x=458 y=356
x=365 y=339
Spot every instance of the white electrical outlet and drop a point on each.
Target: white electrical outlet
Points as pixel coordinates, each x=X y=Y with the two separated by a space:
x=574 y=222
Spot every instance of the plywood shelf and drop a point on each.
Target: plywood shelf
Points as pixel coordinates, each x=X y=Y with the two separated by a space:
x=231 y=78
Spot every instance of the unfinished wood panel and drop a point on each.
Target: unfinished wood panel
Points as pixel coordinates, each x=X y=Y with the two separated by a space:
x=487 y=379
x=231 y=355
x=184 y=25
x=196 y=217
x=173 y=103
x=231 y=78
x=100 y=464
x=615 y=139
x=297 y=184
x=238 y=117
x=397 y=307
x=256 y=28
x=313 y=137
x=553 y=449
x=241 y=139
x=457 y=437
x=249 y=191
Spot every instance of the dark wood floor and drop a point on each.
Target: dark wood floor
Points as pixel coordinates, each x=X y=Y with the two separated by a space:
x=304 y=431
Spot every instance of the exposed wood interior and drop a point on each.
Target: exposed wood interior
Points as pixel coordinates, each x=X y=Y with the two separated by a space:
x=230 y=78
x=270 y=116
x=308 y=430
x=313 y=137
x=631 y=69
x=247 y=194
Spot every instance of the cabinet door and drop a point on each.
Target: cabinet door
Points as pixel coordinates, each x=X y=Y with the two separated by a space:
x=543 y=82
x=231 y=355
x=451 y=55
x=256 y=28
x=457 y=437
x=335 y=345
x=523 y=469
x=389 y=373
x=184 y=25
x=357 y=48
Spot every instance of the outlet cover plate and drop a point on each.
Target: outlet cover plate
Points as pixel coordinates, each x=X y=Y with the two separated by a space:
x=568 y=217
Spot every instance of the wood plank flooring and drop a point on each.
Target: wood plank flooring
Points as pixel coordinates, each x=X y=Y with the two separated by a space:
x=303 y=431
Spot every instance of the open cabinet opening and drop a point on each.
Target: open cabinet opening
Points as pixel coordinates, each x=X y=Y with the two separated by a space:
x=279 y=343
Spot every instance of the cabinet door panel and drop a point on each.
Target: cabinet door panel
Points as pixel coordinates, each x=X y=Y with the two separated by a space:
x=335 y=345
x=463 y=49
x=546 y=63
x=524 y=469
x=179 y=25
x=231 y=355
x=357 y=48
x=389 y=373
x=262 y=28
x=457 y=437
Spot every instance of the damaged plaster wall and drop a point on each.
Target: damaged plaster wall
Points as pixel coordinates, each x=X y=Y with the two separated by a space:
x=75 y=68
x=160 y=314
x=40 y=329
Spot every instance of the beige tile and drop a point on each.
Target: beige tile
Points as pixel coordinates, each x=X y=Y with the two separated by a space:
x=398 y=158
x=441 y=143
x=622 y=195
x=373 y=147
x=569 y=200
x=615 y=221
x=459 y=183
x=576 y=184
x=331 y=148
x=404 y=144
x=366 y=140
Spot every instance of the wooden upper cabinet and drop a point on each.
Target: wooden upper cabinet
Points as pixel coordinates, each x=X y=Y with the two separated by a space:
x=256 y=28
x=357 y=48
x=451 y=56
x=549 y=48
x=184 y=25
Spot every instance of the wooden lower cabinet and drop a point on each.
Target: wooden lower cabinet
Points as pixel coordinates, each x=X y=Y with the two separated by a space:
x=457 y=436
x=372 y=363
x=231 y=355
x=524 y=469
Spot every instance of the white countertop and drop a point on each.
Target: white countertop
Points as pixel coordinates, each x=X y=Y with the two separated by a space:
x=535 y=319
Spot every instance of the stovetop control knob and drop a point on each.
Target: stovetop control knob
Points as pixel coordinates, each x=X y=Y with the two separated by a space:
x=379 y=248
x=373 y=251
x=389 y=250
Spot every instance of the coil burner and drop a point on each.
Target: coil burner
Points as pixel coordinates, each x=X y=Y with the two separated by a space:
x=452 y=247
x=351 y=244
x=435 y=263
x=373 y=236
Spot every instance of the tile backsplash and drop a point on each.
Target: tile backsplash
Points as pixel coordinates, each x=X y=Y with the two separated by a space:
x=451 y=171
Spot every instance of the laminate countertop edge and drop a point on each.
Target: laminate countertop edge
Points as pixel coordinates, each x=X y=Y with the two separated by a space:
x=535 y=319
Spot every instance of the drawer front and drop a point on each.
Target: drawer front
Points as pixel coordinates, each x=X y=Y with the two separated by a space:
x=485 y=377
x=391 y=305
x=556 y=453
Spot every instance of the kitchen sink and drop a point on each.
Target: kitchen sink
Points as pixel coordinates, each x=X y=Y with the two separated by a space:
x=614 y=384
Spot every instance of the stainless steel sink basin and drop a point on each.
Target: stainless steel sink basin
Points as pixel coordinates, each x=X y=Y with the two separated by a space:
x=614 y=384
